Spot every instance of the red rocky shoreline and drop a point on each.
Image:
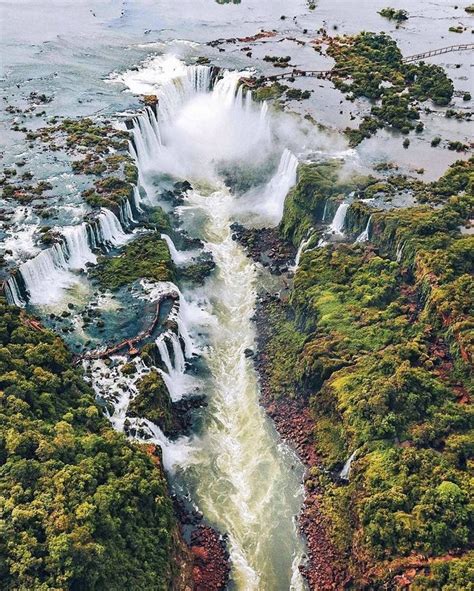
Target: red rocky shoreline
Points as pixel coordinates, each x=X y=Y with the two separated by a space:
x=207 y=556
x=325 y=567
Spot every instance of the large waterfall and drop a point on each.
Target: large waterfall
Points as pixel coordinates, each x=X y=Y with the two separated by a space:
x=46 y=275
x=237 y=471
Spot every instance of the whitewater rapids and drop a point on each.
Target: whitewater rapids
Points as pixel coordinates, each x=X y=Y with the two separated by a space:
x=246 y=482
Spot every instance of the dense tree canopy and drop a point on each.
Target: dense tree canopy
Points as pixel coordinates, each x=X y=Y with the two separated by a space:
x=81 y=508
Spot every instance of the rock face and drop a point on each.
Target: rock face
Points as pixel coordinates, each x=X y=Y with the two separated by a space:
x=325 y=566
x=266 y=247
x=211 y=560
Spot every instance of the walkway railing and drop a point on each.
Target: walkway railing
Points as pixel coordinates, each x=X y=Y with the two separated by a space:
x=296 y=73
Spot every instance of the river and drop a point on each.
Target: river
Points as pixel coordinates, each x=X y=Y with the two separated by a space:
x=95 y=58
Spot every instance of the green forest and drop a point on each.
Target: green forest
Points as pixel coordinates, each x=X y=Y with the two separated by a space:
x=378 y=337
x=81 y=507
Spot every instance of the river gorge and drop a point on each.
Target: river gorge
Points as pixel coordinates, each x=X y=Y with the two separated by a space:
x=227 y=357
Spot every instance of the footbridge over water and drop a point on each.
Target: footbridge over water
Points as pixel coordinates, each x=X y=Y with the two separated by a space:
x=325 y=74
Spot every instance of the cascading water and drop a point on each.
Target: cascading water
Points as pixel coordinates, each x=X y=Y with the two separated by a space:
x=110 y=229
x=337 y=224
x=271 y=202
x=47 y=274
x=303 y=244
x=346 y=470
x=178 y=257
x=77 y=244
x=244 y=480
x=13 y=293
x=112 y=385
x=365 y=234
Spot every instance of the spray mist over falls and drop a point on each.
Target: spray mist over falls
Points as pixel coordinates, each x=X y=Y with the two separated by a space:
x=244 y=480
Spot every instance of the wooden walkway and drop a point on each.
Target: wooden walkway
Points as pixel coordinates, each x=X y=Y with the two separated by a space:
x=130 y=344
x=421 y=56
x=325 y=74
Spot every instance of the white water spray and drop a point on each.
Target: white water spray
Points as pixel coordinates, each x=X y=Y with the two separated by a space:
x=243 y=479
x=365 y=235
x=178 y=256
x=337 y=224
x=346 y=470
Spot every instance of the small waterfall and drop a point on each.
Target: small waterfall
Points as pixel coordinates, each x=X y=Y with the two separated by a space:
x=345 y=472
x=399 y=253
x=177 y=256
x=137 y=198
x=164 y=354
x=174 y=452
x=111 y=385
x=272 y=201
x=146 y=138
x=188 y=343
x=179 y=361
x=77 y=244
x=337 y=224
x=303 y=244
x=126 y=214
x=364 y=236
x=110 y=229
x=325 y=211
x=13 y=292
x=175 y=378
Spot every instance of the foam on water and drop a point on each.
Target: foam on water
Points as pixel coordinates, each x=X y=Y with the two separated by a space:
x=48 y=274
x=179 y=257
x=240 y=476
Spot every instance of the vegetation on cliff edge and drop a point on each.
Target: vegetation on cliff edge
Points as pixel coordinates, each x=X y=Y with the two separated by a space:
x=81 y=507
x=380 y=339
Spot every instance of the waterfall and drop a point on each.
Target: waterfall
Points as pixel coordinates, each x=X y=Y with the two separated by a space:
x=242 y=477
x=146 y=137
x=177 y=256
x=399 y=253
x=196 y=80
x=110 y=229
x=345 y=472
x=13 y=292
x=303 y=244
x=137 y=199
x=77 y=244
x=364 y=236
x=278 y=187
x=46 y=275
x=337 y=224
x=174 y=376
x=270 y=203
x=179 y=361
x=185 y=137
x=111 y=385
x=325 y=211
x=126 y=214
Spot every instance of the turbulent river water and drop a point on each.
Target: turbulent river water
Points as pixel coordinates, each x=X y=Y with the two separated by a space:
x=237 y=472
x=241 y=161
